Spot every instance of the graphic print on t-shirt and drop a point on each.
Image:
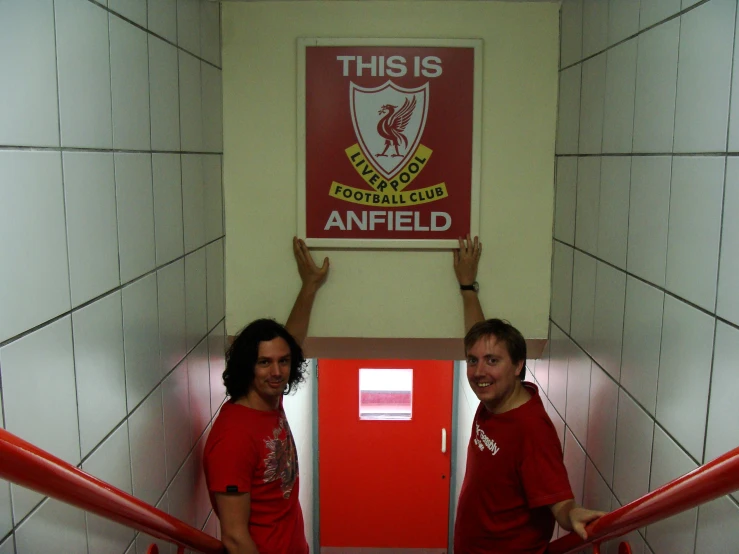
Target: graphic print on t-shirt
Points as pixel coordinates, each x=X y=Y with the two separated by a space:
x=482 y=440
x=281 y=461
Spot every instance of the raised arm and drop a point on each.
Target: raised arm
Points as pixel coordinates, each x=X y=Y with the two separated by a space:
x=312 y=277
x=466 y=258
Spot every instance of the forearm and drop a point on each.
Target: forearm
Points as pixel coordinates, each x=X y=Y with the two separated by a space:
x=561 y=513
x=239 y=543
x=299 y=319
x=472 y=309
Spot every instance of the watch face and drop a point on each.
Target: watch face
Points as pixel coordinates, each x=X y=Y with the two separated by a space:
x=475 y=286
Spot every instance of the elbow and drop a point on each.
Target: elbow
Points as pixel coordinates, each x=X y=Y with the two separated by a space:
x=236 y=542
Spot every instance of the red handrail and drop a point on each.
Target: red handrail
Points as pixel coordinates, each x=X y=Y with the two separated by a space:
x=706 y=483
x=28 y=466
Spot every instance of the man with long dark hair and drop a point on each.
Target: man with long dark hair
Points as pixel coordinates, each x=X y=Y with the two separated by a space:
x=251 y=464
x=515 y=485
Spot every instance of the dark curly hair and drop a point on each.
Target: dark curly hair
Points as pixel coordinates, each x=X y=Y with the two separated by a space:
x=241 y=357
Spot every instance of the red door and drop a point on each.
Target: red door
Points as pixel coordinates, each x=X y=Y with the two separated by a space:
x=384 y=483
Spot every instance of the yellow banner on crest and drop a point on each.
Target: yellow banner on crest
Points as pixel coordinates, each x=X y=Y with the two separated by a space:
x=389 y=199
x=401 y=180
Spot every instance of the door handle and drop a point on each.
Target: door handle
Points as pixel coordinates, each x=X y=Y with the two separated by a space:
x=443 y=441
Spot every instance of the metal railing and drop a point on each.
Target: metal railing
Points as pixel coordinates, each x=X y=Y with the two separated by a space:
x=28 y=466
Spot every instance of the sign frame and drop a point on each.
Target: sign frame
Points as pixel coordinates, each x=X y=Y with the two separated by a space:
x=354 y=243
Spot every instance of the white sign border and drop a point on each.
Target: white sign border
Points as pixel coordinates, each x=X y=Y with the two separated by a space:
x=394 y=244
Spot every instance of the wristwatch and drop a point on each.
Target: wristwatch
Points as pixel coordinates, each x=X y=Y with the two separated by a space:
x=474 y=286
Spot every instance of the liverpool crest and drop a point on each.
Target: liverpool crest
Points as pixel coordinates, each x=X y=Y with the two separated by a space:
x=389 y=121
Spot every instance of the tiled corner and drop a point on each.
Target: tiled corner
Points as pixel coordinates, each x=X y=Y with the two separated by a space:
x=168 y=226
x=558 y=422
x=210 y=32
x=134 y=192
x=656 y=78
x=30 y=113
x=608 y=318
x=596 y=495
x=718 y=527
x=212 y=105
x=172 y=328
x=642 y=340
x=695 y=228
x=623 y=19
x=188 y=25
x=193 y=201
x=182 y=493
x=92 y=233
x=654 y=11
x=613 y=220
x=560 y=353
x=592 y=99
x=198 y=373
x=574 y=459
x=706 y=49
x=111 y=463
x=164 y=95
x=48 y=417
x=196 y=312
x=565 y=199
x=54 y=527
x=191 y=114
x=217 y=364
x=83 y=59
x=727 y=303
x=677 y=533
x=561 y=285
x=571 y=32
x=134 y=10
x=583 y=300
x=177 y=416
x=649 y=213
x=722 y=434
x=734 y=102
x=618 y=116
x=215 y=283
x=163 y=19
x=594 y=26
x=634 y=438
x=578 y=395
x=33 y=289
x=129 y=70
x=568 y=111
x=141 y=339
x=684 y=374
x=146 y=436
x=602 y=416
x=213 y=197
x=99 y=369
x=588 y=202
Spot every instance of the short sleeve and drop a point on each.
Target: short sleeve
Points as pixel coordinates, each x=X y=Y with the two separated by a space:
x=543 y=472
x=230 y=464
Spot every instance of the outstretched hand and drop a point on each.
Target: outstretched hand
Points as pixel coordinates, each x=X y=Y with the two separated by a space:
x=580 y=517
x=466 y=259
x=311 y=275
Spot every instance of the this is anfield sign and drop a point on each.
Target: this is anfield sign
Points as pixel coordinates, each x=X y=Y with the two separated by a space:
x=388 y=142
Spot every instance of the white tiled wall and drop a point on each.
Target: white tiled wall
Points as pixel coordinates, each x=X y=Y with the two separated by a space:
x=642 y=359
x=111 y=256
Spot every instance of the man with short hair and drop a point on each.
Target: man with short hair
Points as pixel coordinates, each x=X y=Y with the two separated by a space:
x=515 y=486
x=250 y=459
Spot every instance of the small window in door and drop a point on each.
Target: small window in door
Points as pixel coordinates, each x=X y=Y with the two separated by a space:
x=385 y=394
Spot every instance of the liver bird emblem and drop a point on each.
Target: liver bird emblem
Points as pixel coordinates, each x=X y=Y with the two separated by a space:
x=393 y=123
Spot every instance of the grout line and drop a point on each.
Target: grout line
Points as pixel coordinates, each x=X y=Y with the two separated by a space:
x=648 y=154
x=103 y=295
x=149 y=32
x=5 y=147
x=637 y=34
x=690 y=303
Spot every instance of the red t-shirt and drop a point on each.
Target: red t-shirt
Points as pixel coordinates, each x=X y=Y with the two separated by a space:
x=253 y=451
x=514 y=473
